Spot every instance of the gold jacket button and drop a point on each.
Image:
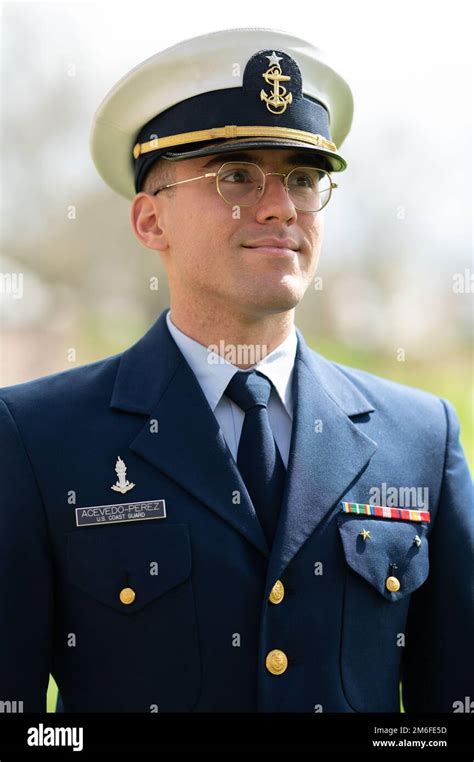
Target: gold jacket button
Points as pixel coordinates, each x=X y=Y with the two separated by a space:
x=277 y=592
x=127 y=595
x=276 y=662
x=392 y=584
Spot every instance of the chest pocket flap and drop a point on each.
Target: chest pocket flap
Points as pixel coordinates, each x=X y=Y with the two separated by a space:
x=150 y=560
x=391 y=549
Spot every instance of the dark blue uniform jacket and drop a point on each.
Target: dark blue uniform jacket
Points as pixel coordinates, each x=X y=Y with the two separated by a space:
x=197 y=634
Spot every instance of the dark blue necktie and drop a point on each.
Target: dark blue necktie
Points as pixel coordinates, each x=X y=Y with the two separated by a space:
x=258 y=458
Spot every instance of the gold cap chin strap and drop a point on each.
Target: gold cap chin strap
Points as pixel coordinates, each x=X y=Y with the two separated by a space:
x=233 y=131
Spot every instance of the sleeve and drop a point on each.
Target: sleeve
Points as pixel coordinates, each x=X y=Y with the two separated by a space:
x=437 y=671
x=26 y=603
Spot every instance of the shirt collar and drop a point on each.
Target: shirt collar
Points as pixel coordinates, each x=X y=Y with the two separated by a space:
x=214 y=372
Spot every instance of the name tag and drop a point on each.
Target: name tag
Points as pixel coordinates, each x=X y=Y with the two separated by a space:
x=94 y=515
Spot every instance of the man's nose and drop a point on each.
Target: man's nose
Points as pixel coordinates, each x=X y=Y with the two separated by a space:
x=275 y=201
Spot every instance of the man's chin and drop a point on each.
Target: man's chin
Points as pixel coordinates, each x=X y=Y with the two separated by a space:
x=281 y=301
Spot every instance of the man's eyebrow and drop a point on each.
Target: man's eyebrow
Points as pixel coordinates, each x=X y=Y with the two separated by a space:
x=295 y=158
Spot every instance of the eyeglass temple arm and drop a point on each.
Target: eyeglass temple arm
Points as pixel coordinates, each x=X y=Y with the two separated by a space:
x=189 y=180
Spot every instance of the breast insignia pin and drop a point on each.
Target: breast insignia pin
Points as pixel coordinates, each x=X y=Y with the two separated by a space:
x=122 y=485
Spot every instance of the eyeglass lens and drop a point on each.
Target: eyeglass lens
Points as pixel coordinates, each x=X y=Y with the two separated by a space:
x=242 y=184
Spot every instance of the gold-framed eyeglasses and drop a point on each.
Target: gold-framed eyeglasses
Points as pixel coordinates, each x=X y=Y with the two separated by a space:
x=242 y=183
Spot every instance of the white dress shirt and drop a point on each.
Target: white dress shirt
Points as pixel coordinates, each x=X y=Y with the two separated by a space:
x=214 y=377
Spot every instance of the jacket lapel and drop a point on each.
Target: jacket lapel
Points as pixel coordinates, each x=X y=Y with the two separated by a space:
x=181 y=436
x=327 y=453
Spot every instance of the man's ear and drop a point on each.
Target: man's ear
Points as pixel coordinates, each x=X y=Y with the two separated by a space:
x=148 y=221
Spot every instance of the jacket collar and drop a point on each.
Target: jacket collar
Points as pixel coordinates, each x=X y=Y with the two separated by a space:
x=147 y=367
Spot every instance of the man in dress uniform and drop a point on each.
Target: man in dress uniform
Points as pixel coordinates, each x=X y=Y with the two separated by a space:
x=219 y=519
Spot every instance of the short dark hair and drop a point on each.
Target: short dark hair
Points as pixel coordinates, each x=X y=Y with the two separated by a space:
x=160 y=173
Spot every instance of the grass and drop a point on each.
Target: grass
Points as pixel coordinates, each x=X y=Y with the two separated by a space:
x=52 y=695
